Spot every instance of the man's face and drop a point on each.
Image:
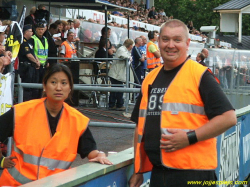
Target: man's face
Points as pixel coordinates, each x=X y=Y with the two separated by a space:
x=77 y=25
x=139 y=42
x=144 y=40
x=29 y=33
x=155 y=36
x=173 y=44
x=198 y=58
x=71 y=37
x=54 y=31
x=40 y=31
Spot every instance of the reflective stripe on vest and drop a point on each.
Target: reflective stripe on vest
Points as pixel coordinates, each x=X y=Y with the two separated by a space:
x=18 y=176
x=42 y=161
x=40 y=51
x=152 y=61
x=183 y=109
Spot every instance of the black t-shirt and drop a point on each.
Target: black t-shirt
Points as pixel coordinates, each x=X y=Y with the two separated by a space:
x=25 y=49
x=215 y=102
x=86 y=142
x=137 y=55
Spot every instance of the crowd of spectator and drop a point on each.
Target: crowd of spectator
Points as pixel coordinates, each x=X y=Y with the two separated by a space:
x=58 y=31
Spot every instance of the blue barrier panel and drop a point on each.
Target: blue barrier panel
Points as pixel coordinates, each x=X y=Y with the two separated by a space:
x=234 y=153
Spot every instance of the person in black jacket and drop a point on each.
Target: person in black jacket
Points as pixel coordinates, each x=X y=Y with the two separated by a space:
x=152 y=13
x=53 y=29
x=101 y=52
x=30 y=19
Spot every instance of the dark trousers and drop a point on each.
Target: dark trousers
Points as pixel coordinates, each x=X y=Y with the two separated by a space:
x=163 y=177
x=139 y=71
x=29 y=74
x=116 y=98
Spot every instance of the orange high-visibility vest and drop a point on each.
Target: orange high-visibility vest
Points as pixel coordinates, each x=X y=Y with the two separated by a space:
x=182 y=108
x=39 y=154
x=69 y=51
x=152 y=61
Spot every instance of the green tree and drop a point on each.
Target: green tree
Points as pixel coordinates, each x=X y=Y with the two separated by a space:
x=199 y=11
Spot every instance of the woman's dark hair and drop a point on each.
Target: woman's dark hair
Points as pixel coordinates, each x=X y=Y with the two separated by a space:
x=59 y=68
x=103 y=31
x=102 y=43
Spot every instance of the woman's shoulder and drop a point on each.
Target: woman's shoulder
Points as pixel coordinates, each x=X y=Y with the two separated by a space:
x=74 y=111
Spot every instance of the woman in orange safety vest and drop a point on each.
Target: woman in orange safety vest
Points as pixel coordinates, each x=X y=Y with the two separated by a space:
x=47 y=133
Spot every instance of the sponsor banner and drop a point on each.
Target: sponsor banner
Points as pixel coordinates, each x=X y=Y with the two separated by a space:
x=234 y=152
x=6 y=99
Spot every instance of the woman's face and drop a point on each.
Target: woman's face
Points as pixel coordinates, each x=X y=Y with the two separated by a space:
x=60 y=27
x=57 y=87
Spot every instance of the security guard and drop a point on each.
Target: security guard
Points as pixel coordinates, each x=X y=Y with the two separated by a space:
x=41 y=47
x=153 y=53
x=28 y=64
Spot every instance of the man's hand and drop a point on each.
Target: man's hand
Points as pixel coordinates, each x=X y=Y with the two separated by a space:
x=135 y=180
x=176 y=140
x=38 y=64
x=2 y=49
x=4 y=61
x=9 y=54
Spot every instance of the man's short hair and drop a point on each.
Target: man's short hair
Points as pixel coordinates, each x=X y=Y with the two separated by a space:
x=40 y=25
x=70 y=32
x=172 y=23
x=41 y=6
x=137 y=40
x=69 y=21
x=76 y=21
x=128 y=42
x=202 y=56
x=151 y=34
x=53 y=26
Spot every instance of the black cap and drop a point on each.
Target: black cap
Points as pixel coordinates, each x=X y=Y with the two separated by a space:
x=26 y=27
x=40 y=25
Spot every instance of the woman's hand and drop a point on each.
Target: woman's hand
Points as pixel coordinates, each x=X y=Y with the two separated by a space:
x=97 y=156
x=8 y=163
